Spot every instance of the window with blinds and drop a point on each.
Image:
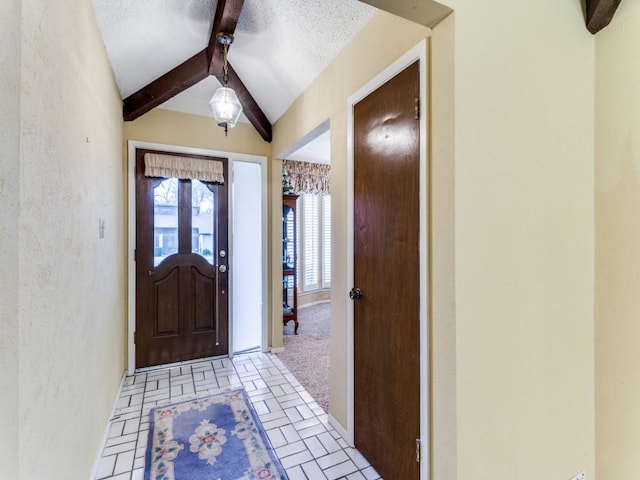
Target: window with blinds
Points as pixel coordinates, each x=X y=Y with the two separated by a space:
x=314 y=259
x=310 y=242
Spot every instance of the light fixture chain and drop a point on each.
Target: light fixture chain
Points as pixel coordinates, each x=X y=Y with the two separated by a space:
x=225 y=73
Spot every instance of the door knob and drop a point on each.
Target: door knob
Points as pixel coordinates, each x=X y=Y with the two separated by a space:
x=355 y=294
x=222 y=268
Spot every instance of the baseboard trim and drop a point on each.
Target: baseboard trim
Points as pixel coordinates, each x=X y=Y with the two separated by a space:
x=311 y=304
x=105 y=435
x=276 y=349
x=340 y=429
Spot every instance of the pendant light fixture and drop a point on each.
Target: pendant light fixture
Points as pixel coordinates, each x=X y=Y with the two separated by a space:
x=224 y=104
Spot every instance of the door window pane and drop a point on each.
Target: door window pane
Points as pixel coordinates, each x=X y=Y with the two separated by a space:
x=165 y=220
x=202 y=234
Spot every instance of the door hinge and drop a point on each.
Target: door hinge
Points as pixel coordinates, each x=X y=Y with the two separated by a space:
x=418 y=444
x=135 y=337
x=417 y=108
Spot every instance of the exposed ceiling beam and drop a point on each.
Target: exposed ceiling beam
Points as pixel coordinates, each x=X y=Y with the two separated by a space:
x=225 y=21
x=599 y=13
x=424 y=12
x=168 y=85
x=206 y=62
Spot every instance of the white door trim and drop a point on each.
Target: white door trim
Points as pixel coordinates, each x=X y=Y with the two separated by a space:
x=131 y=235
x=419 y=52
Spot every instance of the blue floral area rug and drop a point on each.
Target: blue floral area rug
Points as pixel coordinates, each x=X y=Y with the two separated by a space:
x=218 y=437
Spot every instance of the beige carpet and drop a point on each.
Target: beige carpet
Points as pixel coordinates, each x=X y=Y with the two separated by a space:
x=306 y=355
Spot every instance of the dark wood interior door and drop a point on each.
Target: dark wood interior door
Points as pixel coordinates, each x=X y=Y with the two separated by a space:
x=386 y=270
x=181 y=268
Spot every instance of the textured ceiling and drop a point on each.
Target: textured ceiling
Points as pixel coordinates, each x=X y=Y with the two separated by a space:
x=280 y=46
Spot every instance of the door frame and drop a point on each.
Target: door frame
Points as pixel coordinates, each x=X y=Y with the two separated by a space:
x=132 y=145
x=419 y=53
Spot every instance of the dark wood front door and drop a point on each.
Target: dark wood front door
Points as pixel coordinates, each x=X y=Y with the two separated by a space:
x=181 y=268
x=386 y=269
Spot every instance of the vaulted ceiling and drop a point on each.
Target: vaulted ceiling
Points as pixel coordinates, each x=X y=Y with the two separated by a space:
x=164 y=53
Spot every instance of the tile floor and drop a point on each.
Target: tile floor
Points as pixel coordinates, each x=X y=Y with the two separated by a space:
x=307 y=445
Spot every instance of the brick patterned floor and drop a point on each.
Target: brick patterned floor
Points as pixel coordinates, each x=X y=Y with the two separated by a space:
x=307 y=445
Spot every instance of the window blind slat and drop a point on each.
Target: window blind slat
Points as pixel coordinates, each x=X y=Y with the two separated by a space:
x=326 y=241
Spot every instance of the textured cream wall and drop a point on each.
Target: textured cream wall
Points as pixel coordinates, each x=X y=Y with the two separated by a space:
x=176 y=128
x=617 y=246
x=442 y=299
x=524 y=176
x=370 y=52
x=10 y=24
x=524 y=240
x=71 y=286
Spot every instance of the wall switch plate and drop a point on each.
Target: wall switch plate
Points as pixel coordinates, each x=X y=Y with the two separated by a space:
x=580 y=476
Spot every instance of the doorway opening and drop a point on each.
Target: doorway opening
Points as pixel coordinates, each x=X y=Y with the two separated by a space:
x=246 y=301
x=307 y=262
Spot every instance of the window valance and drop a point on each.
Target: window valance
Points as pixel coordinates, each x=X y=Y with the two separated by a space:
x=169 y=166
x=305 y=177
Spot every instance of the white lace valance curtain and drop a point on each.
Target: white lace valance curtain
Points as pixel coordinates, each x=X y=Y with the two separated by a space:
x=305 y=177
x=169 y=166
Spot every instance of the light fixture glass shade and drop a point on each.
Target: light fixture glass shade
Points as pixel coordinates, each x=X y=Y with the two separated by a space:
x=225 y=107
